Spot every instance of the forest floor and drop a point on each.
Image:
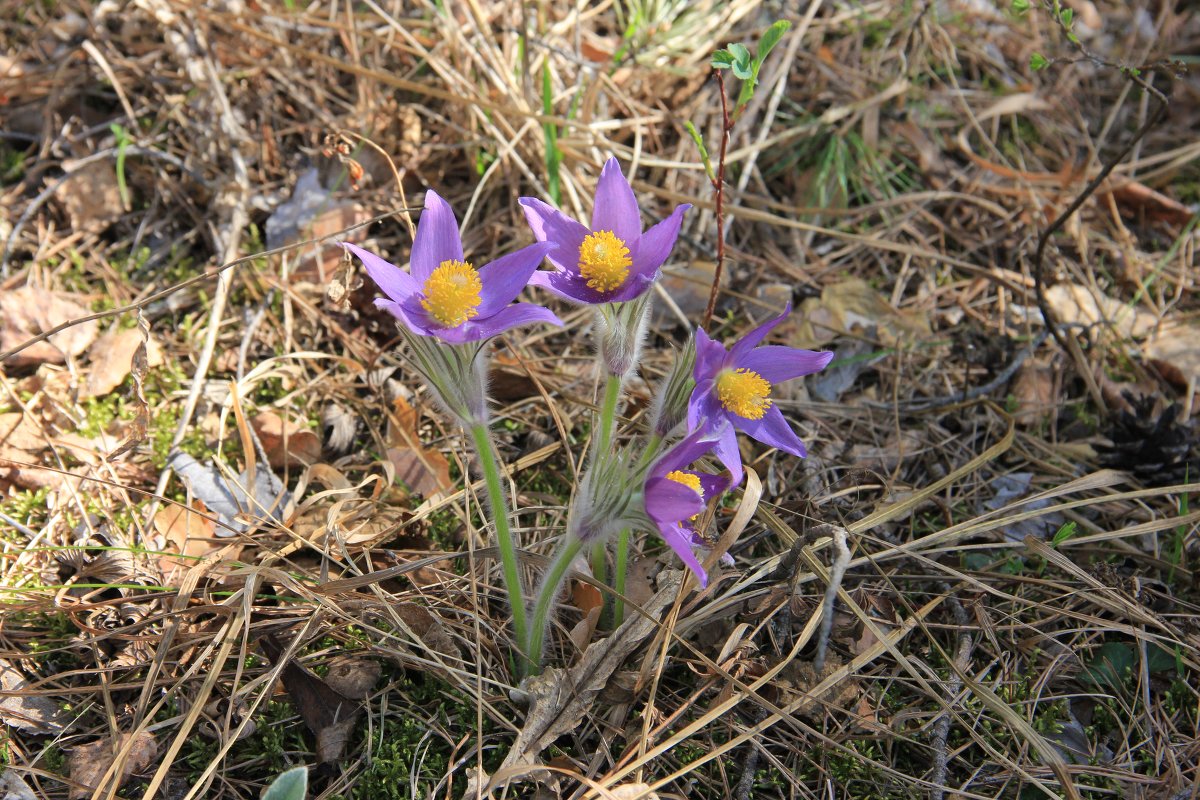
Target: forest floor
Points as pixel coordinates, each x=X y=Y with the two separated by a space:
x=239 y=536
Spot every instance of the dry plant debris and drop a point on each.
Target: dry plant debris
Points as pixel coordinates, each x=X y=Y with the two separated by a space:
x=1018 y=616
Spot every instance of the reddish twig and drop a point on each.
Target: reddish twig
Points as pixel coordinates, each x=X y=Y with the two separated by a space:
x=719 y=188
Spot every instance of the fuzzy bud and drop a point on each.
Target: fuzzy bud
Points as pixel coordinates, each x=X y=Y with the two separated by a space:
x=670 y=404
x=457 y=374
x=620 y=329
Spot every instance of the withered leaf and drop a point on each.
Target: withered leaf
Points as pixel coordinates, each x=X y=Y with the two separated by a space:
x=327 y=713
x=112 y=360
x=90 y=762
x=28 y=712
x=28 y=311
x=287 y=443
x=560 y=698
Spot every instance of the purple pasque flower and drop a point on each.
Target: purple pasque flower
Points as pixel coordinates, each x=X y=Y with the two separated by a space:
x=612 y=261
x=733 y=392
x=675 y=496
x=445 y=296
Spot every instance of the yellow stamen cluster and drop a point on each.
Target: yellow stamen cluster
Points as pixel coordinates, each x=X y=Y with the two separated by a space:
x=744 y=392
x=452 y=293
x=690 y=480
x=604 y=261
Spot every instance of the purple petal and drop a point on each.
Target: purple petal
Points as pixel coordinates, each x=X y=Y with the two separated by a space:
x=680 y=541
x=569 y=286
x=670 y=501
x=704 y=409
x=437 y=238
x=710 y=357
x=413 y=314
x=391 y=280
x=504 y=278
x=751 y=339
x=726 y=451
x=505 y=318
x=616 y=208
x=685 y=451
x=656 y=243
x=713 y=485
x=773 y=430
x=635 y=285
x=778 y=364
x=418 y=324
x=551 y=225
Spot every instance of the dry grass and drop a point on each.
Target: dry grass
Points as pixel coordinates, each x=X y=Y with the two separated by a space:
x=891 y=177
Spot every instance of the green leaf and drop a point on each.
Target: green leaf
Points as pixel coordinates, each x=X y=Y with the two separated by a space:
x=1067 y=531
x=554 y=155
x=1111 y=666
x=771 y=38
x=704 y=157
x=1067 y=16
x=291 y=785
x=743 y=72
x=722 y=59
x=1038 y=62
x=1159 y=659
x=122 y=137
x=1020 y=6
x=741 y=56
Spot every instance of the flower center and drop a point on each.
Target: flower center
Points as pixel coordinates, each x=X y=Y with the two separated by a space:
x=452 y=293
x=744 y=392
x=604 y=261
x=690 y=480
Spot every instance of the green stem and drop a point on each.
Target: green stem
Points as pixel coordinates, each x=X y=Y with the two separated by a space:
x=599 y=559
x=551 y=584
x=504 y=537
x=608 y=415
x=619 y=572
x=603 y=441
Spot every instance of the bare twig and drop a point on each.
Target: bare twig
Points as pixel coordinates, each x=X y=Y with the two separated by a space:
x=941 y=727
x=837 y=571
x=719 y=189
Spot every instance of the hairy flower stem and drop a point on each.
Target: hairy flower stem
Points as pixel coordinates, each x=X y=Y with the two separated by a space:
x=619 y=572
x=603 y=442
x=504 y=540
x=551 y=584
x=608 y=415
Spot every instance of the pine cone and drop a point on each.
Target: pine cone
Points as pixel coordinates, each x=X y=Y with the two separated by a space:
x=1156 y=448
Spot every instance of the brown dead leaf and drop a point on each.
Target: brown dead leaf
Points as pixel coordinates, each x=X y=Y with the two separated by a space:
x=1072 y=303
x=90 y=762
x=28 y=311
x=327 y=713
x=90 y=197
x=112 y=360
x=429 y=628
x=559 y=698
x=353 y=676
x=1175 y=351
x=854 y=304
x=18 y=432
x=425 y=472
x=1034 y=391
x=508 y=381
x=32 y=713
x=287 y=443
x=13 y=787
x=189 y=532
